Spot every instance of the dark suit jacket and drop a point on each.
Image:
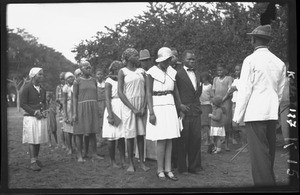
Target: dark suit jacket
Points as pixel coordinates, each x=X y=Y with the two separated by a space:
x=188 y=95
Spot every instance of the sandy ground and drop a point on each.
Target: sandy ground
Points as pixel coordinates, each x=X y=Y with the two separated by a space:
x=62 y=171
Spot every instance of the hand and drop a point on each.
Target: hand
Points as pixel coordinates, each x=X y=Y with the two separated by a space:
x=137 y=112
x=209 y=115
x=152 y=119
x=184 y=108
x=75 y=118
x=181 y=115
x=143 y=111
x=111 y=120
x=38 y=114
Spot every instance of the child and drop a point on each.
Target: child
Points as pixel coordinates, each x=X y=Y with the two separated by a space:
x=217 y=129
x=59 y=113
x=221 y=85
x=51 y=117
x=234 y=92
x=206 y=108
x=111 y=129
x=101 y=102
x=68 y=110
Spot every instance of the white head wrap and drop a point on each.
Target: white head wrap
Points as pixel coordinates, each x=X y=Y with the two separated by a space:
x=34 y=71
x=77 y=71
x=68 y=74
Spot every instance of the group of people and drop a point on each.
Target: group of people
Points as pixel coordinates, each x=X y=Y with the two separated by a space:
x=160 y=110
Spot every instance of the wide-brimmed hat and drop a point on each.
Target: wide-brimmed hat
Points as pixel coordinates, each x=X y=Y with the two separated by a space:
x=263 y=31
x=163 y=54
x=144 y=54
x=34 y=71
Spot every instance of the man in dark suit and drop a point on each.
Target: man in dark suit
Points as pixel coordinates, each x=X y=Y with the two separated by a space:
x=190 y=89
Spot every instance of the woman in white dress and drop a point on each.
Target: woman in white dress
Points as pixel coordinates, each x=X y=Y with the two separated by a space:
x=163 y=124
x=131 y=90
x=112 y=126
x=33 y=101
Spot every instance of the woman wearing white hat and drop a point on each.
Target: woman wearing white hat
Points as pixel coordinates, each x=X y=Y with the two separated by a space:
x=33 y=101
x=162 y=125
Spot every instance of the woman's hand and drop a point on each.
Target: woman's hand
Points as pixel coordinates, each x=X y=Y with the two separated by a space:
x=152 y=119
x=111 y=120
x=210 y=115
x=38 y=114
x=143 y=111
x=184 y=108
x=137 y=112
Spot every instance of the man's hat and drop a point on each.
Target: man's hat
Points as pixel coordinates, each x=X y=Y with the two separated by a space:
x=263 y=31
x=144 y=54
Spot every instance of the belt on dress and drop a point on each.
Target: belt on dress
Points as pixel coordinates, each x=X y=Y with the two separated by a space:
x=159 y=93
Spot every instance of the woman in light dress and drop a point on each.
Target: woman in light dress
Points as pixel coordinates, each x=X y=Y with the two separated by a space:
x=163 y=123
x=113 y=130
x=131 y=90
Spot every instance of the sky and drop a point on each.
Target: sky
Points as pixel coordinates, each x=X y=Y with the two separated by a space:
x=62 y=26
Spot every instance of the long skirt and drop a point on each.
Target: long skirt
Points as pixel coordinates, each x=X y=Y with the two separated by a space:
x=35 y=130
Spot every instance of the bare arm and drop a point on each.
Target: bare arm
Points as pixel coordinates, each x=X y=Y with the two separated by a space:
x=108 y=88
x=65 y=102
x=216 y=117
x=75 y=101
x=121 y=94
x=149 y=92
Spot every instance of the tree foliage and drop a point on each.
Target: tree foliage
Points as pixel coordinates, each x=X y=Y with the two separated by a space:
x=217 y=35
x=24 y=52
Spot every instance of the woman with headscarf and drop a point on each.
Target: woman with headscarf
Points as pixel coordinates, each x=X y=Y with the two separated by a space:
x=33 y=101
x=113 y=129
x=86 y=112
x=68 y=110
x=131 y=90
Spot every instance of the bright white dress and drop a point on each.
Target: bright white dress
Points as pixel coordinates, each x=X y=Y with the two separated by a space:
x=134 y=90
x=110 y=131
x=167 y=125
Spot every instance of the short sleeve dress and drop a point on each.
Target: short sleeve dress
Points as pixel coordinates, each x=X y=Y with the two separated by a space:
x=134 y=90
x=206 y=107
x=221 y=86
x=88 y=111
x=68 y=128
x=109 y=131
x=167 y=123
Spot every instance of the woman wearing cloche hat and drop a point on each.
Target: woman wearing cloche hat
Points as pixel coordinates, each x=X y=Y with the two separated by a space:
x=163 y=124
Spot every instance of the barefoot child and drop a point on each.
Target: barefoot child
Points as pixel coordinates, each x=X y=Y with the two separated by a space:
x=217 y=129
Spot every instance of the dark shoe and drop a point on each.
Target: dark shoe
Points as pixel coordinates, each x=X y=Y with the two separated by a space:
x=161 y=176
x=210 y=148
x=183 y=173
x=197 y=172
x=171 y=176
x=39 y=163
x=34 y=166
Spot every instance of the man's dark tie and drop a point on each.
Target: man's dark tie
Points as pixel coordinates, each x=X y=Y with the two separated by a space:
x=191 y=69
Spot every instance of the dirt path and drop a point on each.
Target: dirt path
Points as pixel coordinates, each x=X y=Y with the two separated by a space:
x=64 y=172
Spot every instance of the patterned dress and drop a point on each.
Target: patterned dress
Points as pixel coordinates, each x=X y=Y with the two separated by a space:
x=88 y=111
x=221 y=86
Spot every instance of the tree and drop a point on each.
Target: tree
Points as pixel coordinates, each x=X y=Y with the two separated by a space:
x=217 y=34
x=24 y=52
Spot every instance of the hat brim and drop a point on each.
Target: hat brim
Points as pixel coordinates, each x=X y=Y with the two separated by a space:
x=145 y=58
x=261 y=36
x=161 y=59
